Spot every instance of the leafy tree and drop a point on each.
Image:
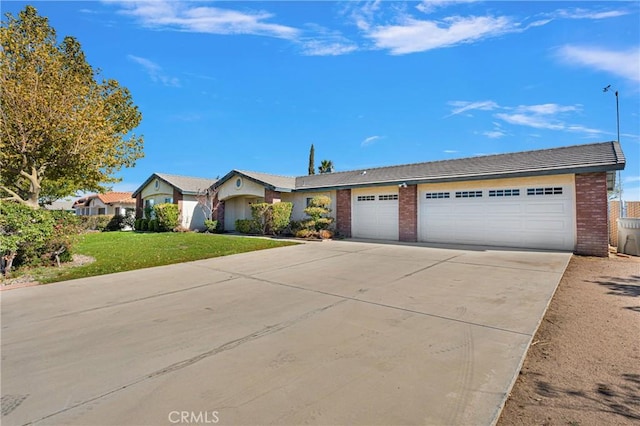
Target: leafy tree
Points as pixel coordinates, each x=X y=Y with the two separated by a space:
x=61 y=131
x=326 y=166
x=312 y=162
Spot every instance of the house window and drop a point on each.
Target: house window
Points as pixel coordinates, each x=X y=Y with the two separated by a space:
x=545 y=191
x=168 y=200
x=434 y=195
x=388 y=197
x=309 y=201
x=366 y=198
x=156 y=184
x=504 y=192
x=102 y=210
x=238 y=183
x=468 y=194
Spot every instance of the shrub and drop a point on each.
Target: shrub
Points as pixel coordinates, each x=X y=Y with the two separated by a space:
x=153 y=225
x=115 y=224
x=211 y=225
x=246 y=226
x=95 y=222
x=167 y=216
x=271 y=218
x=319 y=222
x=280 y=217
x=34 y=237
x=138 y=224
x=144 y=225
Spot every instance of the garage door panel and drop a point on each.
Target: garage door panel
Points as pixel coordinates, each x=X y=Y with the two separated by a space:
x=539 y=220
x=546 y=208
x=377 y=217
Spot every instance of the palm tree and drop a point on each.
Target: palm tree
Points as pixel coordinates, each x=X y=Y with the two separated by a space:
x=326 y=166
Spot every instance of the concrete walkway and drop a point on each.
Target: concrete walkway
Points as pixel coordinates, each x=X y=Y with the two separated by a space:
x=341 y=332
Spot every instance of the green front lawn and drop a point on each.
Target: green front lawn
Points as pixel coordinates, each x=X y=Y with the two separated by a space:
x=126 y=251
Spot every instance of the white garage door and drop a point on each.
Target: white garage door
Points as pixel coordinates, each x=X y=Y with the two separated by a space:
x=375 y=214
x=529 y=217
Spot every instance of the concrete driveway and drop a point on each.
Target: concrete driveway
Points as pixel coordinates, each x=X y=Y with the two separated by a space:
x=341 y=332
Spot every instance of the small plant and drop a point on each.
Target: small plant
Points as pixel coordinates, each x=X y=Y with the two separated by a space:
x=246 y=226
x=211 y=225
x=153 y=225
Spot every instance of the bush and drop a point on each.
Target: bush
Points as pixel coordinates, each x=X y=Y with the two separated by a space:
x=115 y=224
x=211 y=225
x=319 y=222
x=271 y=218
x=153 y=225
x=95 y=222
x=280 y=217
x=246 y=226
x=167 y=216
x=144 y=225
x=31 y=237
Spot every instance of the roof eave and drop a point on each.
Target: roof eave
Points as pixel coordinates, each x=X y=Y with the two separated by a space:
x=460 y=178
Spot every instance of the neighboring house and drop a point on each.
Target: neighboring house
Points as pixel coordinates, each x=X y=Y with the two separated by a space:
x=181 y=190
x=65 y=204
x=544 y=199
x=111 y=203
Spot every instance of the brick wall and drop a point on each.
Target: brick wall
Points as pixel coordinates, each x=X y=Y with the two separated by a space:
x=271 y=196
x=408 y=213
x=632 y=209
x=591 y=214
x=217 y=213
x=139 y=207
x=343 y=212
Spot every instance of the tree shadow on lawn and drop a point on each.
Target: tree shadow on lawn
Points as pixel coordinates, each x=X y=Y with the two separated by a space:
x=622 y=399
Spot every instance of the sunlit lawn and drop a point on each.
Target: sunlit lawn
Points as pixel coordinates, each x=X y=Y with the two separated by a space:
x=126 y=251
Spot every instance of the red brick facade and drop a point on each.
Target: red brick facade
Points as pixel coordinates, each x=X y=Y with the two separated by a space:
x=408 y=213
x=139 y=206
x=217 y=210
x=271 y=196
x=343 y=212
x=591 y=214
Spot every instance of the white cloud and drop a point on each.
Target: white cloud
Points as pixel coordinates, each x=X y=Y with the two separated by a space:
x=322 y=48
x=205 y=19
x=588 y=14
x=428 y=6
x=155 y=71
x=414 y=35
x=464 y=106
x=370 y=140
x=494 y=134
x=450 y=151
x=621 y=63
x=547 y=109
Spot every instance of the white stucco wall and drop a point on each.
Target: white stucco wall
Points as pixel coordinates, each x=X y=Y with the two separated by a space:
x=193 y=214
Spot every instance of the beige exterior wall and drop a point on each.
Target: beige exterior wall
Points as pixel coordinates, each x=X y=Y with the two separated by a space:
x=500 y=183
x=247 y=187
x=158 y=191
x=299 y=201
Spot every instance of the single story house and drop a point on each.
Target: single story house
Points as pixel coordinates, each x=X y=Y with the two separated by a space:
x=543 y=199
x=110 y=203
x=181 y=190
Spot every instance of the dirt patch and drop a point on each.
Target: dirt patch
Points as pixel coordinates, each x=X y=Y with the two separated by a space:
x=28 y=279
x=583 y=367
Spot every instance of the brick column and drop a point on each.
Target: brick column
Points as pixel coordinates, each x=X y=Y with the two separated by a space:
x=271 y=196
x=343 y=212
x=408 y=213
x=218 y=211
x=591 y=214
x=139 y=206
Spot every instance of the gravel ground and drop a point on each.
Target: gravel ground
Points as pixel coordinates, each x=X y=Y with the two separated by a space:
x=583 y=367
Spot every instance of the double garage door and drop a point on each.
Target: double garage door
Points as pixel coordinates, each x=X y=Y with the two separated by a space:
x=528 y=216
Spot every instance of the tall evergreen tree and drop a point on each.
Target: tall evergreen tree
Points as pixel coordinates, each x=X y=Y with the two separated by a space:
x=312 y=163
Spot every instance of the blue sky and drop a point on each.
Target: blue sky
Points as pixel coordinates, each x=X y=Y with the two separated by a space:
x=251 y=85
